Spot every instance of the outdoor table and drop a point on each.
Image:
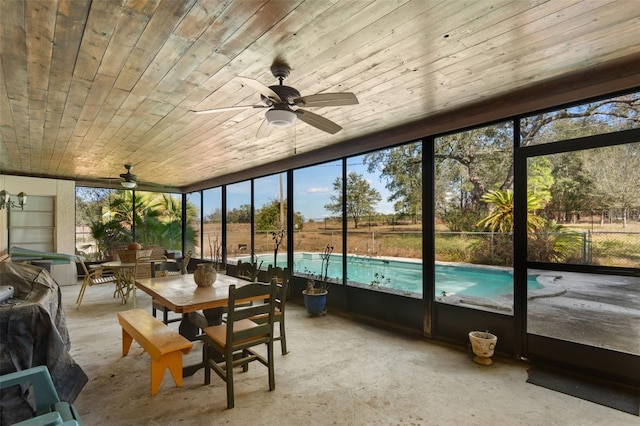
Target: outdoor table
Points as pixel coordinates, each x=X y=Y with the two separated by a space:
x=125 y=276
x=125 y=279
x=180 y=294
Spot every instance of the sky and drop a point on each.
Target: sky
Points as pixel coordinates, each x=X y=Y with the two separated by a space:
x=312 y=185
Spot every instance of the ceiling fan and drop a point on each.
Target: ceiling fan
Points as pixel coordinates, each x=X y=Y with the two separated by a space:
x=130 y=181
x=283 y=104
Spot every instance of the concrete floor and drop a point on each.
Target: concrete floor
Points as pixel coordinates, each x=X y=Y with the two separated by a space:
x=338 y=372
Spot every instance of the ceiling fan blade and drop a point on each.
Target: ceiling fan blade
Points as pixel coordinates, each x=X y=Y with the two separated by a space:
x=317 y=121
x=260 y=88
x=326 y=99
x=232 y=108
x=264 y=130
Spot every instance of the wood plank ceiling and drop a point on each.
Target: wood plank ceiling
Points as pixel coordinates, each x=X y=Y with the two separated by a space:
x=87 y=86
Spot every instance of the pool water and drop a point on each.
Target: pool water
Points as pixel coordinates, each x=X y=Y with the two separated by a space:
x=406 y=276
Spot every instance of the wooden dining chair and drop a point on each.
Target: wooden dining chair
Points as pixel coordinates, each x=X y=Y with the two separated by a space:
x=94 y=277
x=228 y=345
x=156 y=306
x=282 y=286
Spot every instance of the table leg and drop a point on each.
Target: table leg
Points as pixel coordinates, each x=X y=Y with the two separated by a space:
x=190 y=327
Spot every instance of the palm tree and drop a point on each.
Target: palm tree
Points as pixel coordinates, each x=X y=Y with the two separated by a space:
x=500 y=218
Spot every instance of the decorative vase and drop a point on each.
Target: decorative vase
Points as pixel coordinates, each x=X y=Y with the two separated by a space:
x=483 y=344
x=205 y=275
x=315 y=302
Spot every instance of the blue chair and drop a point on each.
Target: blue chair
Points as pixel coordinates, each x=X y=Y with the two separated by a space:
x=49 y=409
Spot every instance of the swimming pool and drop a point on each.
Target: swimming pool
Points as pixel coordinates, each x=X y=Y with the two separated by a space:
x=406 y=276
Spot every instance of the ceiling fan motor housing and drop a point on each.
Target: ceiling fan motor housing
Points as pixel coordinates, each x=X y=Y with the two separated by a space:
x=286 y=93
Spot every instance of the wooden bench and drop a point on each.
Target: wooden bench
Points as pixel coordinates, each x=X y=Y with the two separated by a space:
x=164 y=345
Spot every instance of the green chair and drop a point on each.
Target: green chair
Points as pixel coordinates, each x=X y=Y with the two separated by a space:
x=49 y=409
x=282 y=284
x=228 y=345
x=156 y=306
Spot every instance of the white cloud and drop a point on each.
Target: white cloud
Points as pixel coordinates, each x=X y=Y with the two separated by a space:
x=317 y=190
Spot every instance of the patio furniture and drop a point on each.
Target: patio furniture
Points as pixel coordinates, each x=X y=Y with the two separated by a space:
x=282 y=285
x=49 y=410
x=95 y=276
x=235 y=338
x=164 y=345
x=155 y=306
x=200 y=306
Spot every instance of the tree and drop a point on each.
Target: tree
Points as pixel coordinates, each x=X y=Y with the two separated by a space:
x=240 y=214
x=470 y=163
x=540 y=177
x=500 y=217
x=402 y=168
x=572 y=189
x=361 y=197
x=267 y=218
x=214 y=217
x=615 y=173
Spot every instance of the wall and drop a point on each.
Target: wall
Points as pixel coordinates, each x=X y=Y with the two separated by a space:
x=64 y=193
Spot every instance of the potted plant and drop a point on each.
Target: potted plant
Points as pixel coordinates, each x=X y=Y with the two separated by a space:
x=315 y=298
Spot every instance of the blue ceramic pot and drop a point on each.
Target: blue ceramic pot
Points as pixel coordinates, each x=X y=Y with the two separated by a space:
x=315 y=303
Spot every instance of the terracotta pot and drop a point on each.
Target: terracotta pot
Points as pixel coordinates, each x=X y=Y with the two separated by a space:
x=134 y=246
x=205 y=275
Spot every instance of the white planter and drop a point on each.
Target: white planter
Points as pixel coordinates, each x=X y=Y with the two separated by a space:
x=483 y=344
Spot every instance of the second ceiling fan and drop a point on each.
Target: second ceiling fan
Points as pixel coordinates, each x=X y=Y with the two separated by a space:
x=284 y=104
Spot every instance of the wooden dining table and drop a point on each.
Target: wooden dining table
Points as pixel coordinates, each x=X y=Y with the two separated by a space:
x=180 y=294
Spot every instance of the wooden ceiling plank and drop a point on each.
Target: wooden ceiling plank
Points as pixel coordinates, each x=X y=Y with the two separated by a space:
x=14 y=66
x=476 y=56
x=127 y=32
x=405 y=60
x=97 y=36
x=168 y=55
x=78 y=91
x=39 y=27
x=8 y=149
x=155 y=34
x=70 y=19
x=367 y=30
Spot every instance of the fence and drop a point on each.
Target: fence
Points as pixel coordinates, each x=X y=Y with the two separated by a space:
x=586 y=248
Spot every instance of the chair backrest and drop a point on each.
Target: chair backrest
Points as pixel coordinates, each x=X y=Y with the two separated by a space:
x=143 y=268
x=84 y=266
x=246 y=271
x=282 y=287
x=45 y=393
x=239 y=337
x=184 y=268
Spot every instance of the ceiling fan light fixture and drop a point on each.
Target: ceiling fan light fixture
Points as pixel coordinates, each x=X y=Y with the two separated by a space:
x=128 y=185
x=280 y=117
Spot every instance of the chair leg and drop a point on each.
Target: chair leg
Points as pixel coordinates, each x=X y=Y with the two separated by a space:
x=83 y=288
x=272 y=374
x=205 y=362
x=229 y=379
x=283 y=338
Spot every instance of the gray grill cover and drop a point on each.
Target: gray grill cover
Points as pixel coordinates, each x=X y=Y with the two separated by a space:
x=33 y=332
